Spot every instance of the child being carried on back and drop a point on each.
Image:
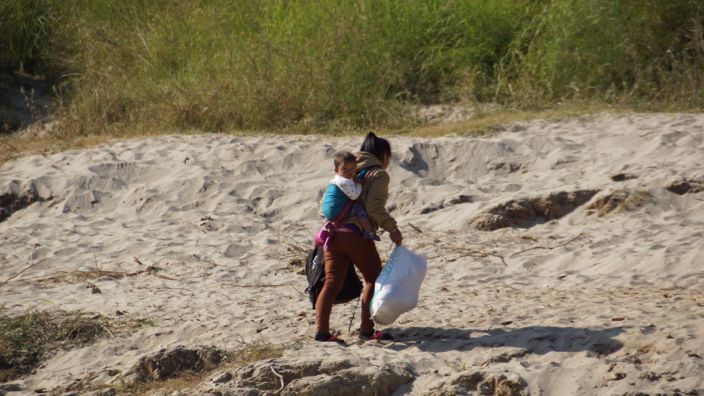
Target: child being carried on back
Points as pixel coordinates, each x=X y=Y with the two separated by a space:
x=342 y=189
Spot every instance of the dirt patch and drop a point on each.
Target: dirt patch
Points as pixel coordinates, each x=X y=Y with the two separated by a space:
x=12 y=202
x=619 y=201
x=619 y=177
x=460 y=199
x=528 y=212
x=684 y=186
x=168 y=363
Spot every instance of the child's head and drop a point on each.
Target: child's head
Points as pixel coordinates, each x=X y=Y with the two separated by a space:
x=345 y=164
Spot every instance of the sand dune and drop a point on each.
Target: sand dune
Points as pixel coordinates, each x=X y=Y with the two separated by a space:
x=598 y=293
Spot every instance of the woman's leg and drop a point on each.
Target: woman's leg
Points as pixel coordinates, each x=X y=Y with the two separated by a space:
x=362 y=252
x=336 y=264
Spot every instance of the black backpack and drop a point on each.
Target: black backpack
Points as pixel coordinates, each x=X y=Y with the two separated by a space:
x=351 y=289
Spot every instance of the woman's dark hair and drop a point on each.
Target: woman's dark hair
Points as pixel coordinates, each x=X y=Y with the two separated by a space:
x=375 y=145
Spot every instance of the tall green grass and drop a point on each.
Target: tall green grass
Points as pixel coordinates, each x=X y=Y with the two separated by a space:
x=632 y=52
x=243 y=64
x=23 y=29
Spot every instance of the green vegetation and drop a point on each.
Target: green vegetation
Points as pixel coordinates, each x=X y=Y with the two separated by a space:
x=327 y=65
x=25 y=339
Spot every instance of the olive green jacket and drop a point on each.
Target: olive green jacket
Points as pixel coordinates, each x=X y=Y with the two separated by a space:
x=375 y=193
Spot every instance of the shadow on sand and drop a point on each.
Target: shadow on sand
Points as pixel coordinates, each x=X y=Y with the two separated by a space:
x=534 y=339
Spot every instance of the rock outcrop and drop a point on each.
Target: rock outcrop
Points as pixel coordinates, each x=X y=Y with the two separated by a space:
x=527 y=212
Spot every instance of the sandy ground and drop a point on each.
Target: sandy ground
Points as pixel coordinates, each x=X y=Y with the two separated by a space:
x=595 y=302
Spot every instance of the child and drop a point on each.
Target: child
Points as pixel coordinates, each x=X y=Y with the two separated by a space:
x=342 y=189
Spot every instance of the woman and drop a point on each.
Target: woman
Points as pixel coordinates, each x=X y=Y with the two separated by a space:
x=350 y=248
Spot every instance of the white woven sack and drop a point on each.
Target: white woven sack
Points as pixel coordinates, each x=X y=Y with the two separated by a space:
x=397 y=286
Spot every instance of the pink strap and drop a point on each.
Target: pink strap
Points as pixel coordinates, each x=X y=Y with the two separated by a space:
x=345 y=211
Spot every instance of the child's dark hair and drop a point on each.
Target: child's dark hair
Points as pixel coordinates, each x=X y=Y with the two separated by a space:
x=342 y=158
x=375 y=145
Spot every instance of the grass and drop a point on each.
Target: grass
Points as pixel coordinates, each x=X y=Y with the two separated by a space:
x=620 y=201
x=222 y=65
x=26 y=339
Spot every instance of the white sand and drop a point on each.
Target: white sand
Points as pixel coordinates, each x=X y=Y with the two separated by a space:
x=618 y=308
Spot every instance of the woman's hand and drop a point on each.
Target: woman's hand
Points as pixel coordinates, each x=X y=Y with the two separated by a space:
x=396 y=237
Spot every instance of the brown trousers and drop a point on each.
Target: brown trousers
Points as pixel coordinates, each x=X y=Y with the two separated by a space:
x=347 y=248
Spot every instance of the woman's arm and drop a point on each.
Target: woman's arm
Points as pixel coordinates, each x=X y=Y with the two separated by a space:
x=376 y=198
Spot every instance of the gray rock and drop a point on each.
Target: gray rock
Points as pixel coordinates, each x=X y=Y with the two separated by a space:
x=10 y=387
x=357 y=381
x=112 y=372
x=321 y=376
x=526 y=212
x=685 y=186
x=476 y=382
x=618 y=201
x=222 y=378
x=168 y=363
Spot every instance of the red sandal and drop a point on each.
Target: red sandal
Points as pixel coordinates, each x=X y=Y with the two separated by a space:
x=377 y=336
x=327 y=337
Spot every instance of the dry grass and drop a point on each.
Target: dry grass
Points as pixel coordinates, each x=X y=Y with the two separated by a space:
x=620 y=201
x=186 y=380
x=190 y=380
x=15 y=146
x=495 y=121
x=50 y=142
x=94 y=273
x=27 y=339
x=253 y=353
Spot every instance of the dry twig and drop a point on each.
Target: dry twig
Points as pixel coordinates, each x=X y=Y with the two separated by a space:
x=96 y=273
x=281 y=378
x=416 y=229
x=108 y=330
x=475 y=253
x=548 y=247
x=31 y=264
x=261 y=285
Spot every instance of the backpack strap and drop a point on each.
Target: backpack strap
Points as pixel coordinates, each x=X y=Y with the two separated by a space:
x=345 y=211
x=368 y=172
x=327 y=233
